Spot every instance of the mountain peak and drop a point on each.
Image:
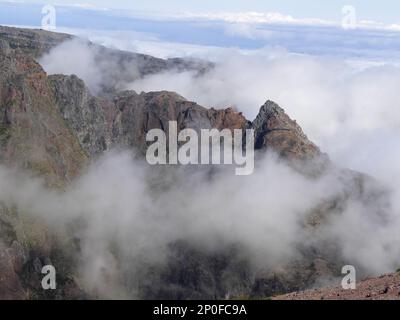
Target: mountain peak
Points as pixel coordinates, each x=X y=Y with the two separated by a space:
x=275 y=129
x=271 y=106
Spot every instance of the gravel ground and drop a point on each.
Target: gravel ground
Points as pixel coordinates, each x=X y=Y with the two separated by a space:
x=386 y=287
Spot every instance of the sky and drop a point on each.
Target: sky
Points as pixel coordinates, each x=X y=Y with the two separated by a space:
x=386 y=11
x=304 y=27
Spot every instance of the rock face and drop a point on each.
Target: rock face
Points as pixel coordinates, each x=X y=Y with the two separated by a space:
x=32 y=42
x=26 y=246
x=274 y=129
x=195 y=274
x=84 y=114
x=124 y=120
x=53 y=126
x=33 y=134
x=101 y=124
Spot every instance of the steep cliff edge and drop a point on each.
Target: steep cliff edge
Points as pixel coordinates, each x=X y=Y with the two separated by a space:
x=33 y=134
x=34 y=137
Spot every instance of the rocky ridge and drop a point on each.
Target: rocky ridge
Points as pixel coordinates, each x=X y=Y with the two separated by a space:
x=117 y=66
x=54 y=126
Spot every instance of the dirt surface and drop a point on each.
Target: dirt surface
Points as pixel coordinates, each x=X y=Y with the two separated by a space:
x=386 y=287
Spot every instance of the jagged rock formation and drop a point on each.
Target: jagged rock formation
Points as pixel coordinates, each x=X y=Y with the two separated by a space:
x=101 y=124
x=54 y=126
x=274 y=129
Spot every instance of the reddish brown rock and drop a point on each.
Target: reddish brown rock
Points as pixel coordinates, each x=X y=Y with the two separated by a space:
x=275 y=130
x=33 y=134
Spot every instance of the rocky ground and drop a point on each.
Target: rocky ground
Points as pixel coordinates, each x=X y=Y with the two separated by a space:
x=386 y=287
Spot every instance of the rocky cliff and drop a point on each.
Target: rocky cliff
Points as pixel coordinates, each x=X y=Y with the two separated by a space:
x=34 y=137
x=33 y=132
x=53 y=126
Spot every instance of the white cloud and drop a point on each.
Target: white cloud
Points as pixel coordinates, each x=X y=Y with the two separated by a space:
x=126 y=222
x=276 y=18
x=87 y=6
x=254 y=17
x=96 y=68
x=74 y=57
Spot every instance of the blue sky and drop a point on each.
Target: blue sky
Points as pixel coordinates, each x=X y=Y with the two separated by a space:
x=159 y=23
x=387 y=11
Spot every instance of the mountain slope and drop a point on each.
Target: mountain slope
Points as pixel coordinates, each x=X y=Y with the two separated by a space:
x=117 y=66
x=32 y=42
x=33 y=135
x=386 y=287
x=54 y=127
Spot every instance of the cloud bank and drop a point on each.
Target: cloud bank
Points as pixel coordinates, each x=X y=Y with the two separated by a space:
x=347 y=106
x=340 y=104
x=128 y=214
x=95 y=67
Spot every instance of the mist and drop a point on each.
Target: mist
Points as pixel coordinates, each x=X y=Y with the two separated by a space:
x=127 y=214
x=348 y=107
x=91 y=63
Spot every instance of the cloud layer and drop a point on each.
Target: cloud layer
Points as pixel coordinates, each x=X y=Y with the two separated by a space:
x=129 y=213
